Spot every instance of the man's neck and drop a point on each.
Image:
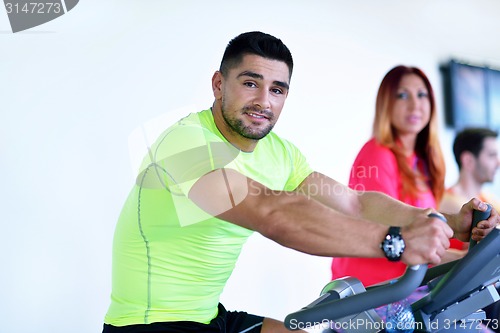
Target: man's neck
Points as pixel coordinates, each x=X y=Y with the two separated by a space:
x=467 y=187
x=238 y=141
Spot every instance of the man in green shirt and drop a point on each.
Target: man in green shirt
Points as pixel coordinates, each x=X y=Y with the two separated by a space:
x=216 y=176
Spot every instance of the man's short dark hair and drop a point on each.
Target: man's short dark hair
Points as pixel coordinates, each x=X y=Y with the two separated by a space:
x=471 y=140
x=255 y=43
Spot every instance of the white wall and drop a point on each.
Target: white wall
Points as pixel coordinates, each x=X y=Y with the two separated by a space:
x=72 y=91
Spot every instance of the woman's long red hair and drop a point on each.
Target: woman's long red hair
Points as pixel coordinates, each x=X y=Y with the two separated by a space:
x=427 y=145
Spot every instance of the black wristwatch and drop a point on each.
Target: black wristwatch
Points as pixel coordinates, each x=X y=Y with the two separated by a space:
x=393 y=244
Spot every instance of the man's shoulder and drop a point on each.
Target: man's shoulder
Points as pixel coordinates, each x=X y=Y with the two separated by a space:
x=202 y=118
x=451 y=202
x=490 y=198
x=191 y=124
x=273 y=141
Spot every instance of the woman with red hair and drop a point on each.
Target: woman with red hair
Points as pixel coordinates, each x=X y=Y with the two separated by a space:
x=403 y=159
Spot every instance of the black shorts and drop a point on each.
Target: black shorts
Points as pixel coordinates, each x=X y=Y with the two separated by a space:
x=225 y=322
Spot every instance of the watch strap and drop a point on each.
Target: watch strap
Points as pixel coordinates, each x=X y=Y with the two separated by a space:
x=394 y=231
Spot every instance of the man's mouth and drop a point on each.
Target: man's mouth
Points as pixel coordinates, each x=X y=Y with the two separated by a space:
x=257 y=115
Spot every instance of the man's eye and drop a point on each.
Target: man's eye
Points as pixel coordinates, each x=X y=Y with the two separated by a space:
x=277 y=91
x=250 y=84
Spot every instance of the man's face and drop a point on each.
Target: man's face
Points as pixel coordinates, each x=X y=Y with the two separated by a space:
x=252 y=96
x=487 y=162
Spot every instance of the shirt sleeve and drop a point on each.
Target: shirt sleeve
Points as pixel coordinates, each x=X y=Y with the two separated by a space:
x=375 y=169
x=300 y=167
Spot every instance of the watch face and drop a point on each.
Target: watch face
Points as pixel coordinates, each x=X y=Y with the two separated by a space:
x=393 y=246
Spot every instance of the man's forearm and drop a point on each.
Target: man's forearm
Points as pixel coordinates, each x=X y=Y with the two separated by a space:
x=381 y=208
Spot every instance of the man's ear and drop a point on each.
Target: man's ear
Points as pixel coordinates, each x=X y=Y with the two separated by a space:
x=468 y=160
x=217 y=79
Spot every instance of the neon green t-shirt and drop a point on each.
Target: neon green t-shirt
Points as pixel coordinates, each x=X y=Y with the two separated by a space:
x=171 y=260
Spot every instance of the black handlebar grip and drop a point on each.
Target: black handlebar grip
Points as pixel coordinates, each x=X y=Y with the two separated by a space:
x=477 y=216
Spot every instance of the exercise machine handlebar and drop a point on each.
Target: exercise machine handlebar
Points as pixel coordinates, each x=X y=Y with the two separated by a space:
x=332 y=310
